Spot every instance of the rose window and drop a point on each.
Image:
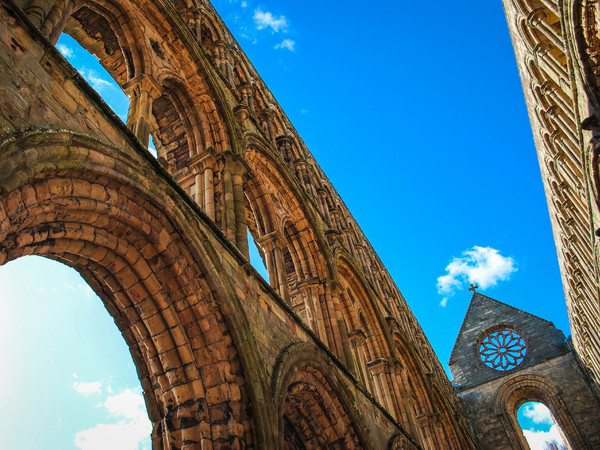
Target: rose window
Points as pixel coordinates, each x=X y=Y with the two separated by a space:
x=502 y=350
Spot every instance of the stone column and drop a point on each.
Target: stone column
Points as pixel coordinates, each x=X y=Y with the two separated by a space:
x=38 y=10
x=239 y=173
x=246 y=93
x=222 y=60
x=234 y=209
x=358 y=341
x=284 y=146
x=311 y=292
x=141 y=90
x=322 y=195
x=272 y=243
x=54 y=22
x=267 y=117
x=209 y=191
x=344 y=341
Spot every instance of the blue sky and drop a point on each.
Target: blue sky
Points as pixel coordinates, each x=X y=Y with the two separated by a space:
x=415 y=111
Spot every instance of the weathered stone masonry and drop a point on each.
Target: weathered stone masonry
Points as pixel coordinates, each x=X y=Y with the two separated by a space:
x=327 y=355
x=543 y=368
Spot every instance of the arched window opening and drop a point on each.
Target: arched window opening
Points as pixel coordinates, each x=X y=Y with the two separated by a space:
x=90 y=68
x=539 y=427
x=66 y=364
x=256 y=257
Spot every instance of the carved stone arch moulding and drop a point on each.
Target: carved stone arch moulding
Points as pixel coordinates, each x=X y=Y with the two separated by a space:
x=104 y=27
x=524 y=388
x=108 y=215
x=583 y=22
x=315 y=408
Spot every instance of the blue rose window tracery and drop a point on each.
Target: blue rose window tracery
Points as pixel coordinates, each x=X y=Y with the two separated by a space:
x=502 y=350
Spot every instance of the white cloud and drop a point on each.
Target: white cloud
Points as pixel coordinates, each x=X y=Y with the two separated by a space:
x=126 y=404
x=482 y=265
x=124 y=435
x=268 y=20
x=66 y=51
x=244 y=4
x=286 y=43
x=537 y=439
x=94 y=79
x=93 y=387
x=538 y=413
x=131 y=432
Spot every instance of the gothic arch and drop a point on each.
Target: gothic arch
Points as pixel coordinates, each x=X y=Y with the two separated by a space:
x=106 y=27
x=528 y=387
x=366 y=306
x=274 y=178
x=415 y=399
x=103 y=212
x=314 y=407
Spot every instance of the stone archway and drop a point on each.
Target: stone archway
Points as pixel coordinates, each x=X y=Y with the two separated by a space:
x=102 y=212
x=313 y=407
x=525 y=388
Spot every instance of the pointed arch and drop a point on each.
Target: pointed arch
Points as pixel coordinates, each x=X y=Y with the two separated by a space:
x=315 y=409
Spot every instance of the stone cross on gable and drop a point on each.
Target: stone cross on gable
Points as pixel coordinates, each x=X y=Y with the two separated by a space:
x=473 y=287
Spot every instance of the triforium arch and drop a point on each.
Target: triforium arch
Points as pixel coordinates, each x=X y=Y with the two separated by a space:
x=413 y=396
x=315 y=410
x=229 y=162
x=109 y=216
x=533 y=388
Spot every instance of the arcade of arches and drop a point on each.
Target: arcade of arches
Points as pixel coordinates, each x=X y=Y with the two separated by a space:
x=327 y=353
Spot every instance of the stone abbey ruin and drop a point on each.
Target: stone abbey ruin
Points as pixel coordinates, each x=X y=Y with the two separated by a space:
x=327 y=354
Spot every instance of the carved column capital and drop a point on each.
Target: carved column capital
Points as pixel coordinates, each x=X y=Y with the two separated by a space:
x=142 y=83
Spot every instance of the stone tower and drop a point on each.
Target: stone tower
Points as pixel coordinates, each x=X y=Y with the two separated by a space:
x=504 y=357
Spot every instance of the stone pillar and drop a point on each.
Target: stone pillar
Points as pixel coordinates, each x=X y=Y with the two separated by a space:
x=344 y=341
x=322 y=195
x=234 y=209
x=141 y=90
x=38 y=10
x=54 y=23
x=222 y=60
x=312 y=292
x=239 y=173
x=272 y=244
x=202 y=165
x=246 y=93
x=358 y=341
x=284 y=146
x=267 y=117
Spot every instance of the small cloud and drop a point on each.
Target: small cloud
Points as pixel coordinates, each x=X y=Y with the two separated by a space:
x=304 y=111
x=264 y=20
x=286 y=43
x=127 y=404
x=93 y=387
x=482 y=265
x=66 y=51
x=94 y=79
x=538 y=413
x=244 y=4
x=537 y=439
x=131 y=431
